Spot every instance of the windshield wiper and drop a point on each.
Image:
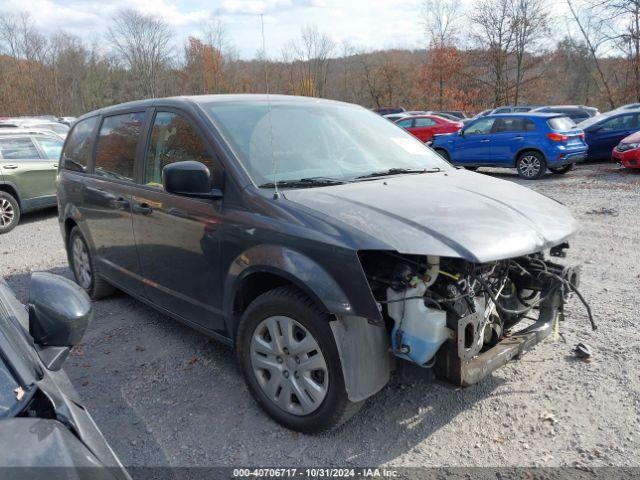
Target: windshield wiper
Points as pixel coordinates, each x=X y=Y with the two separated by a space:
x=304 y=182
x=396 y=171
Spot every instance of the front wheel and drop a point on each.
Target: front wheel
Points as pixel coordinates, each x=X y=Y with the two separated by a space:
x=563 y=169
x=9 y=212
x=444 y=154
x=531 y=165
x=290 y=362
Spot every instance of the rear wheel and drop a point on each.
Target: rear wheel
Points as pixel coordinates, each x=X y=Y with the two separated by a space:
x=563 y=169
x=290 y=362
x=9 y=212
x=531 y=165
x=473 y=169
x=83 y=266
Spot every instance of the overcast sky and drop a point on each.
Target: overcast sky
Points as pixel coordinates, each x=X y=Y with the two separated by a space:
x=369 y=24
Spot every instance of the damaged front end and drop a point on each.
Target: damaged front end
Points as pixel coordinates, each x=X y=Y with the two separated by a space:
x=467 y=319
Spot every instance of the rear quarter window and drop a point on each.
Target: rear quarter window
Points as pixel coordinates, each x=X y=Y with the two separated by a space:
x=561 y=123
x=77 y=149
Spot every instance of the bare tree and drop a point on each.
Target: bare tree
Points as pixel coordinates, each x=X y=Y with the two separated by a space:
x=530 y=24
x=594 y=38
x=441 y=21
x=143 y=41
x=310 y=60
x=494 y=36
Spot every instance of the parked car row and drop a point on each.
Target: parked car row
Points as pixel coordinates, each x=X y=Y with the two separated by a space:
x=28 y=166
x=57 y=125
x=529 y=138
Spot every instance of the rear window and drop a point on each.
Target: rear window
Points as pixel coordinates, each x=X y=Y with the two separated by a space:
x=77 y=150
x=18 y=149
x=117 y=143
x=561 y=123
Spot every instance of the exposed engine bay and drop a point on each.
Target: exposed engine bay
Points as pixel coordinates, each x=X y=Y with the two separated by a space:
x=464 y=319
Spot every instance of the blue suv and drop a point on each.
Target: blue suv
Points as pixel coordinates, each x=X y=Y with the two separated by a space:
x=530 y=142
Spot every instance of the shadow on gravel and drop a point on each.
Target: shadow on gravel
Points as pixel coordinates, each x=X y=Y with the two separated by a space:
x=37 y=216
x=164 y=394
x=19 y=282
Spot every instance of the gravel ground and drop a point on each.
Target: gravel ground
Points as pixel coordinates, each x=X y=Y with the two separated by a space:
x=165 y=395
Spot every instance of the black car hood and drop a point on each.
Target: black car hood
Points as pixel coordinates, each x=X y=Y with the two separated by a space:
x=450 y=214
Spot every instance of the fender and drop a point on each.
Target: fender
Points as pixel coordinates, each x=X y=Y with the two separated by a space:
x=15 y=189
x=526 y=149
x=71 y=212
x=302 y=271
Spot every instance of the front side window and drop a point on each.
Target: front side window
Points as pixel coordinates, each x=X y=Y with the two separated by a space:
x=424 y=122
x=117 y=143
x=77 y=150
x=52 y=147
x=288 y=141
x=480 y=127
x=623 y=122
x=405 y=123
x=173 y=139
x=18 y=149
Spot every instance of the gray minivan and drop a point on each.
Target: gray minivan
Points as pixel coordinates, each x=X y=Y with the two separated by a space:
x=321 y=242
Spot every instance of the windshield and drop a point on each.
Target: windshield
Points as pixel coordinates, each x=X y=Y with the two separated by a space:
x=593 y=120
x=8 y=385
x=313 y=139
x=561 y=123
x=59 y=128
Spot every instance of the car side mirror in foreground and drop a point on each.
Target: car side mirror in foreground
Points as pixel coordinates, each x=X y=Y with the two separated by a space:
x=59 y=314
x=461 y=132
x=189 y=178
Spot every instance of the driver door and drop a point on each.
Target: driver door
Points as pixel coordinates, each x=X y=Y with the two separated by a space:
x=474 y=146
x=177 y=236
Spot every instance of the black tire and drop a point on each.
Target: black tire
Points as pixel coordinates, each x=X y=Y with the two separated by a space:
x=473 y=169
x=563 y=169
x=97 y=287
x=336 y=408
x=444 y=154
x=9 y=212
x=531 y=165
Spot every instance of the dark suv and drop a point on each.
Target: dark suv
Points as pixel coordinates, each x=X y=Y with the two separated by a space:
x=322 y=242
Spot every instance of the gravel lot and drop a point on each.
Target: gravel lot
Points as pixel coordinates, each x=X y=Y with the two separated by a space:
x=165 y=395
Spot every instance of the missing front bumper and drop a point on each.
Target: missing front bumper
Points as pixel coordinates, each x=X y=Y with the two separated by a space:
x=462 y=371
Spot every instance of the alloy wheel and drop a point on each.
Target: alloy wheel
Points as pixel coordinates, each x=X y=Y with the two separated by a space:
x=7 y=214
x=81 y=263
x=289 y=365
x=530 y=166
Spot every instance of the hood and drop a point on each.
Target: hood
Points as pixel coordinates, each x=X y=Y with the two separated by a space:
x=451 y=214
x=633 y=138
x=445 y=136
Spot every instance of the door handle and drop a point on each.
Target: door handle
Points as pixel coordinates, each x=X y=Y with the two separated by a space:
x=486 y=140
x=55 y=165
x=519 y=137
x=10 y=167
x=142 y=208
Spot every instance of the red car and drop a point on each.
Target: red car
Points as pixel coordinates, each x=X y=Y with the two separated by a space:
x=627 y=152
x=424 y=127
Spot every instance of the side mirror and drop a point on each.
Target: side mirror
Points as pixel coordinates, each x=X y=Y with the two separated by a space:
x=59 y=314
x=189 y=178
x=461 y=132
